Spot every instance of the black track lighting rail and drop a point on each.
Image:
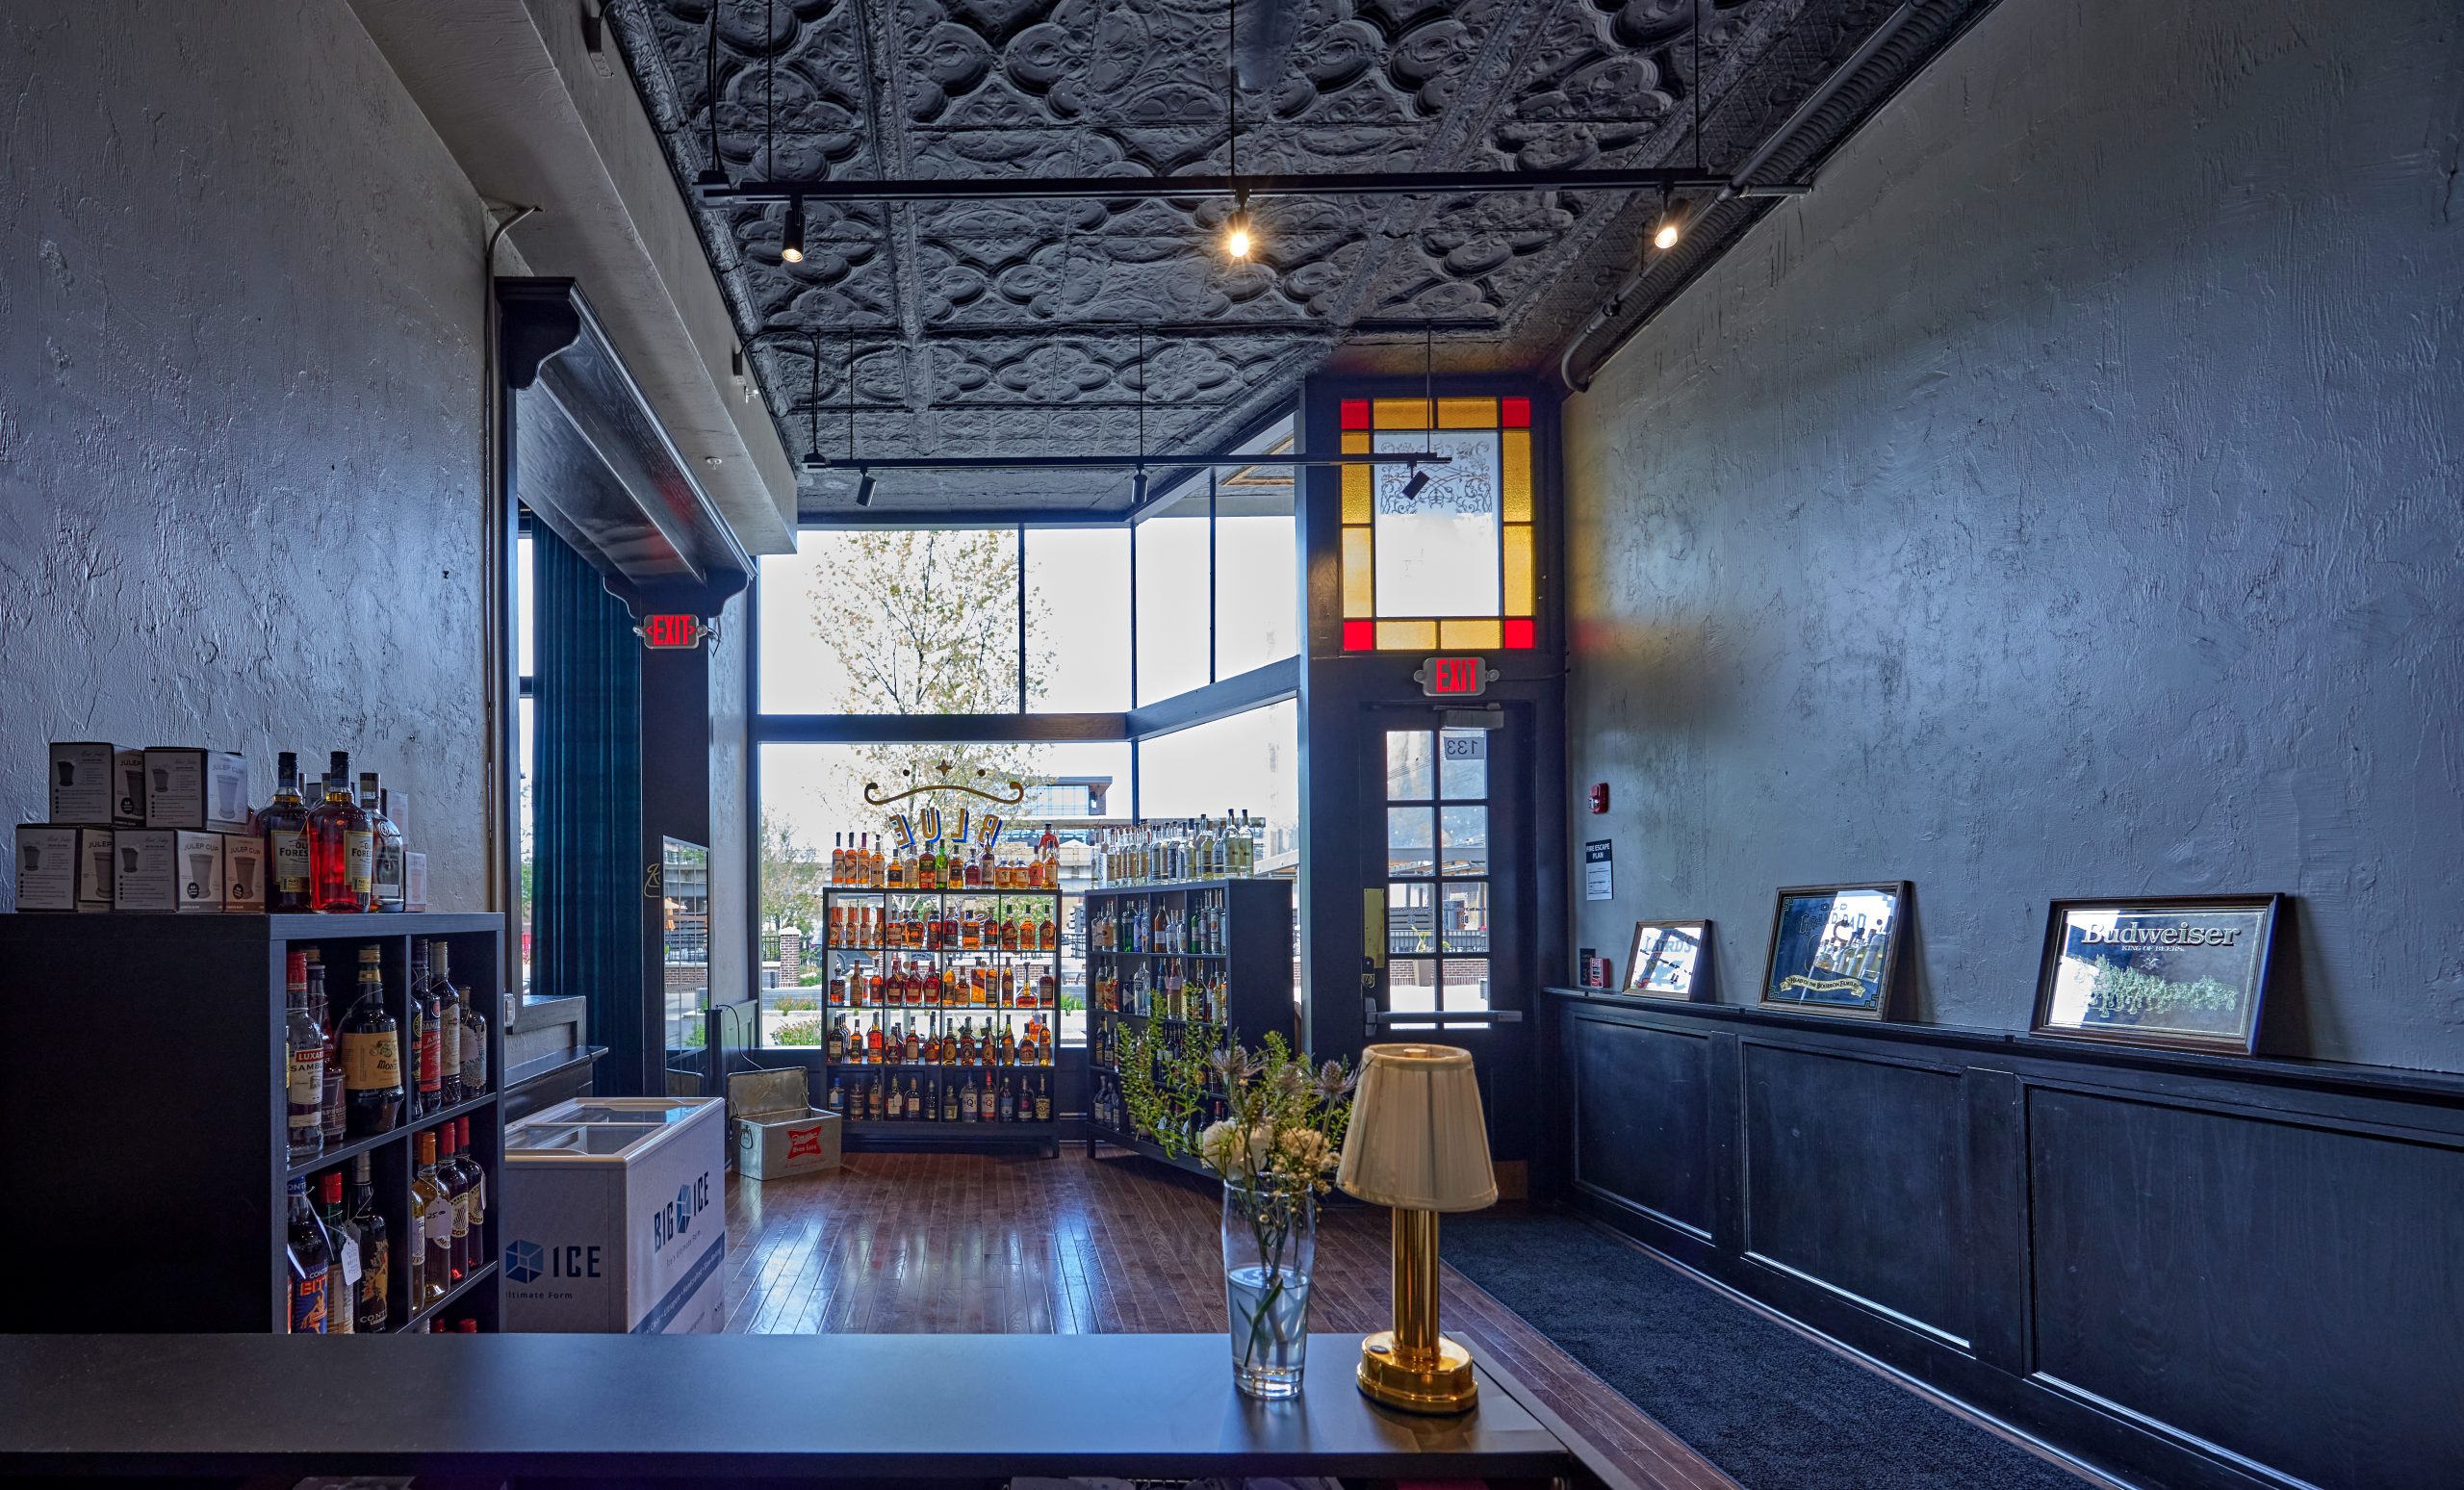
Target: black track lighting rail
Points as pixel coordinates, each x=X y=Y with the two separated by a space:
x=870 y=463
x=1399 y=182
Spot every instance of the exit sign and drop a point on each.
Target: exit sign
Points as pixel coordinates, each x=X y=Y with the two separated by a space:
x=1453 y=677
x=670 y=633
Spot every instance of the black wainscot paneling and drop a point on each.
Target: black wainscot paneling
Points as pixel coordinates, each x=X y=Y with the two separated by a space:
x=1856 y=1181
x=1641 y=1124
x=2187 y=1270
x=2286 y=1289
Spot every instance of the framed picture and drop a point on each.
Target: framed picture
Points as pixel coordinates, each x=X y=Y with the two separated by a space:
x=2184 y=971
x=1670 y=960
x=1834 y=948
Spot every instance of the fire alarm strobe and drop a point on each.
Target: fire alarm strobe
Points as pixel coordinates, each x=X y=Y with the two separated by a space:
x=674 y=632
x=1454 y=678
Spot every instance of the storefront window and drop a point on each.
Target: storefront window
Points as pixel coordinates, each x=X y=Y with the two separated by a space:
x=1172 y=596
x=1250 y=762
x=1078 y=620
x=894 y=621
x=1443 y=557
x=525 y=647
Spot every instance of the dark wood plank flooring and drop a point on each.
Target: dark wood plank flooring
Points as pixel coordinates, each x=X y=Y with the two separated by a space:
x=964 y=1244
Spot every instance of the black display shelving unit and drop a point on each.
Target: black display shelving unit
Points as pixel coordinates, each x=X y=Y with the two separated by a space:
x=143 y=1101
x=1249 y=959
x=1026 y=965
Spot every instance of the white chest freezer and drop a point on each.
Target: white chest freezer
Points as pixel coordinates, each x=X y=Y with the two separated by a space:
x=615 y=1217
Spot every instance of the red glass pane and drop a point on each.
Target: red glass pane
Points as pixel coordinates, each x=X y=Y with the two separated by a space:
x=1512 y=413
x=1520 y=633
x=1356 y=413
x=1360 y=636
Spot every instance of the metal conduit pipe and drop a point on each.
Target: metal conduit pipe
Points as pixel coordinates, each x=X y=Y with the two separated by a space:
x=1884 y=59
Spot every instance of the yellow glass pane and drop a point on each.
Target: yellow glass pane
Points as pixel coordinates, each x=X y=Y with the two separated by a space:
x=1400 y=413
x=1358 y=506
x=1355 y=442
x=1467 y=413
x=1471 y=635
x=1406 y=635
x=1360 y=575
x=1515 y=504
x=1517 y=555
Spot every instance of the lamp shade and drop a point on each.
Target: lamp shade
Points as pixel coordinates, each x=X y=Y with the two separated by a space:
x=1417 y=1140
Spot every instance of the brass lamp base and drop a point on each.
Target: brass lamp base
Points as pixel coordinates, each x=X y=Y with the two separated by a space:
x=1439 y=1382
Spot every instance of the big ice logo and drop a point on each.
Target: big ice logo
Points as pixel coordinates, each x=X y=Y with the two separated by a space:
x=523 y=1262
x=527 y=1261
x=676 y=1218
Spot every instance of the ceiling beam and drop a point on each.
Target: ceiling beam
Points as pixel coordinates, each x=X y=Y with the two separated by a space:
x=1122 y=188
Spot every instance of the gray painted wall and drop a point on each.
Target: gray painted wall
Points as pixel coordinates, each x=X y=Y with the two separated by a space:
x=2062 y=500
x=239 y=322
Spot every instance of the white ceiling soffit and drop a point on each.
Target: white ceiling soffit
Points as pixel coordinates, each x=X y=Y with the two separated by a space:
x=533 y=116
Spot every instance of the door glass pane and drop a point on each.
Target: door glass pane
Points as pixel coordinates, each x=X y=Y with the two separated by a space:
x=1464 y=914
x=1411 y=918
x=1463 y=765
x=1411 y=987
x=1410 y=841
x=1467 y=983
x=1410 y=773
x=1467 y=840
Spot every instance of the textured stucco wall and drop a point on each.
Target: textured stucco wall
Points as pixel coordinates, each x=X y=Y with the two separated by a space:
x=239 y=322
x=2062 y=500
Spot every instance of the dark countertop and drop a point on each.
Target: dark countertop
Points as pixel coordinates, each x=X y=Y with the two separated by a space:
x=695 y=1406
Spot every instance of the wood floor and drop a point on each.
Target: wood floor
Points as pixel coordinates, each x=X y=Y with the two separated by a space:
x=965 y=1243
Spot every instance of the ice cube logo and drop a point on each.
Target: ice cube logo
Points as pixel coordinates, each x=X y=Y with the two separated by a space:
x=523 y=1262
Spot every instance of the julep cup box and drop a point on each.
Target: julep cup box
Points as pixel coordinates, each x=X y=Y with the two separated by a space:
x=205 y=790
x=128 y=804
x=143 y=878
x=778 y=1130
x=244 y=873
x=46 y=867
x=615 y=1217
x=83 y=785
x=94 y=861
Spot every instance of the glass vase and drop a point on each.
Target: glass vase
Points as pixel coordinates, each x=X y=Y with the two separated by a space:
x=1269 y=1248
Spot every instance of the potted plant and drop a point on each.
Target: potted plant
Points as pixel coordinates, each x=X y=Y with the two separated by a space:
x=1275 y=1146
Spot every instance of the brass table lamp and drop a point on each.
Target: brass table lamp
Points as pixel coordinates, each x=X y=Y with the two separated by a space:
x=1416 y=1142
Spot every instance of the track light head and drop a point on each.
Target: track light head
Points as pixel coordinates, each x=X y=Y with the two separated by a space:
x=1672 y=225
x=791 y=246
x=864 y=487
x=1415 y=483
x=1137 y=488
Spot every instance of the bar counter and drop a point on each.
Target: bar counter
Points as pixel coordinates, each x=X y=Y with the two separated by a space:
x=959 y=1409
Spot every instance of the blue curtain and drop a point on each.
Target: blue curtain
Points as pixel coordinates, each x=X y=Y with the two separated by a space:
x=586 y=799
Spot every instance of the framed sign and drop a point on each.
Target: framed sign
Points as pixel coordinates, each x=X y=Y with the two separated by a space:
x=1670 y=960
x=2184 y=971
x=1834 y=948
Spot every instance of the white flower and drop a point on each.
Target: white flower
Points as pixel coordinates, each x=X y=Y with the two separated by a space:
x=1301 y=1153
x=1221 y=1149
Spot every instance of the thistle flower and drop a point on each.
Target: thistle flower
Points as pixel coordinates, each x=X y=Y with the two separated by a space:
x=1333 y=1082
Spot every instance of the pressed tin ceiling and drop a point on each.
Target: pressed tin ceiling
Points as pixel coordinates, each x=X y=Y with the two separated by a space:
x=1011 y=327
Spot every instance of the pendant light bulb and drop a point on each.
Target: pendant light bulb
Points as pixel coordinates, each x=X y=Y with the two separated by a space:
x=1236 y=240
x=791 y=247
x=864 y=487
x=1672 y=227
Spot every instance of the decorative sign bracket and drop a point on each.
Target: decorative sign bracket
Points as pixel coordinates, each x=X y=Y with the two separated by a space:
x=1017 y=789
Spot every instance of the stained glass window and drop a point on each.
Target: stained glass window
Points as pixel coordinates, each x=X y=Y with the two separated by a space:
x=1451 y=565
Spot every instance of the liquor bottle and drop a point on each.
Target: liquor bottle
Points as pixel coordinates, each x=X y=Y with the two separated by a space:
x=475 y=1193
x=873 y=1043
x=1049 y=861
x=371 y=1055
x=914 y=1046
x=303 y=1065
x=1047 y=933
x=835 y=1047
x=949 y=1103
x=1008 y=1046
x=1008 y=1101
x=458 y=1201
x=425 y=1047
x=342 y=1260
x=330 y=1118
x=432 y=1227
x=473 y=1038
x=1043 y=1102
x=987 y=1105
x=309 y=1256
x=342 y=847
x=386 y=844
x=838 y=1094
x=283 y=823
x=375 y=1255
x=966 y=1101
x=449 y=1023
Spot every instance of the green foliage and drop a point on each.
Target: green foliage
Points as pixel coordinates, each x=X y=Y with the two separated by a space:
x=802 y=1034
x=1284 y=1121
